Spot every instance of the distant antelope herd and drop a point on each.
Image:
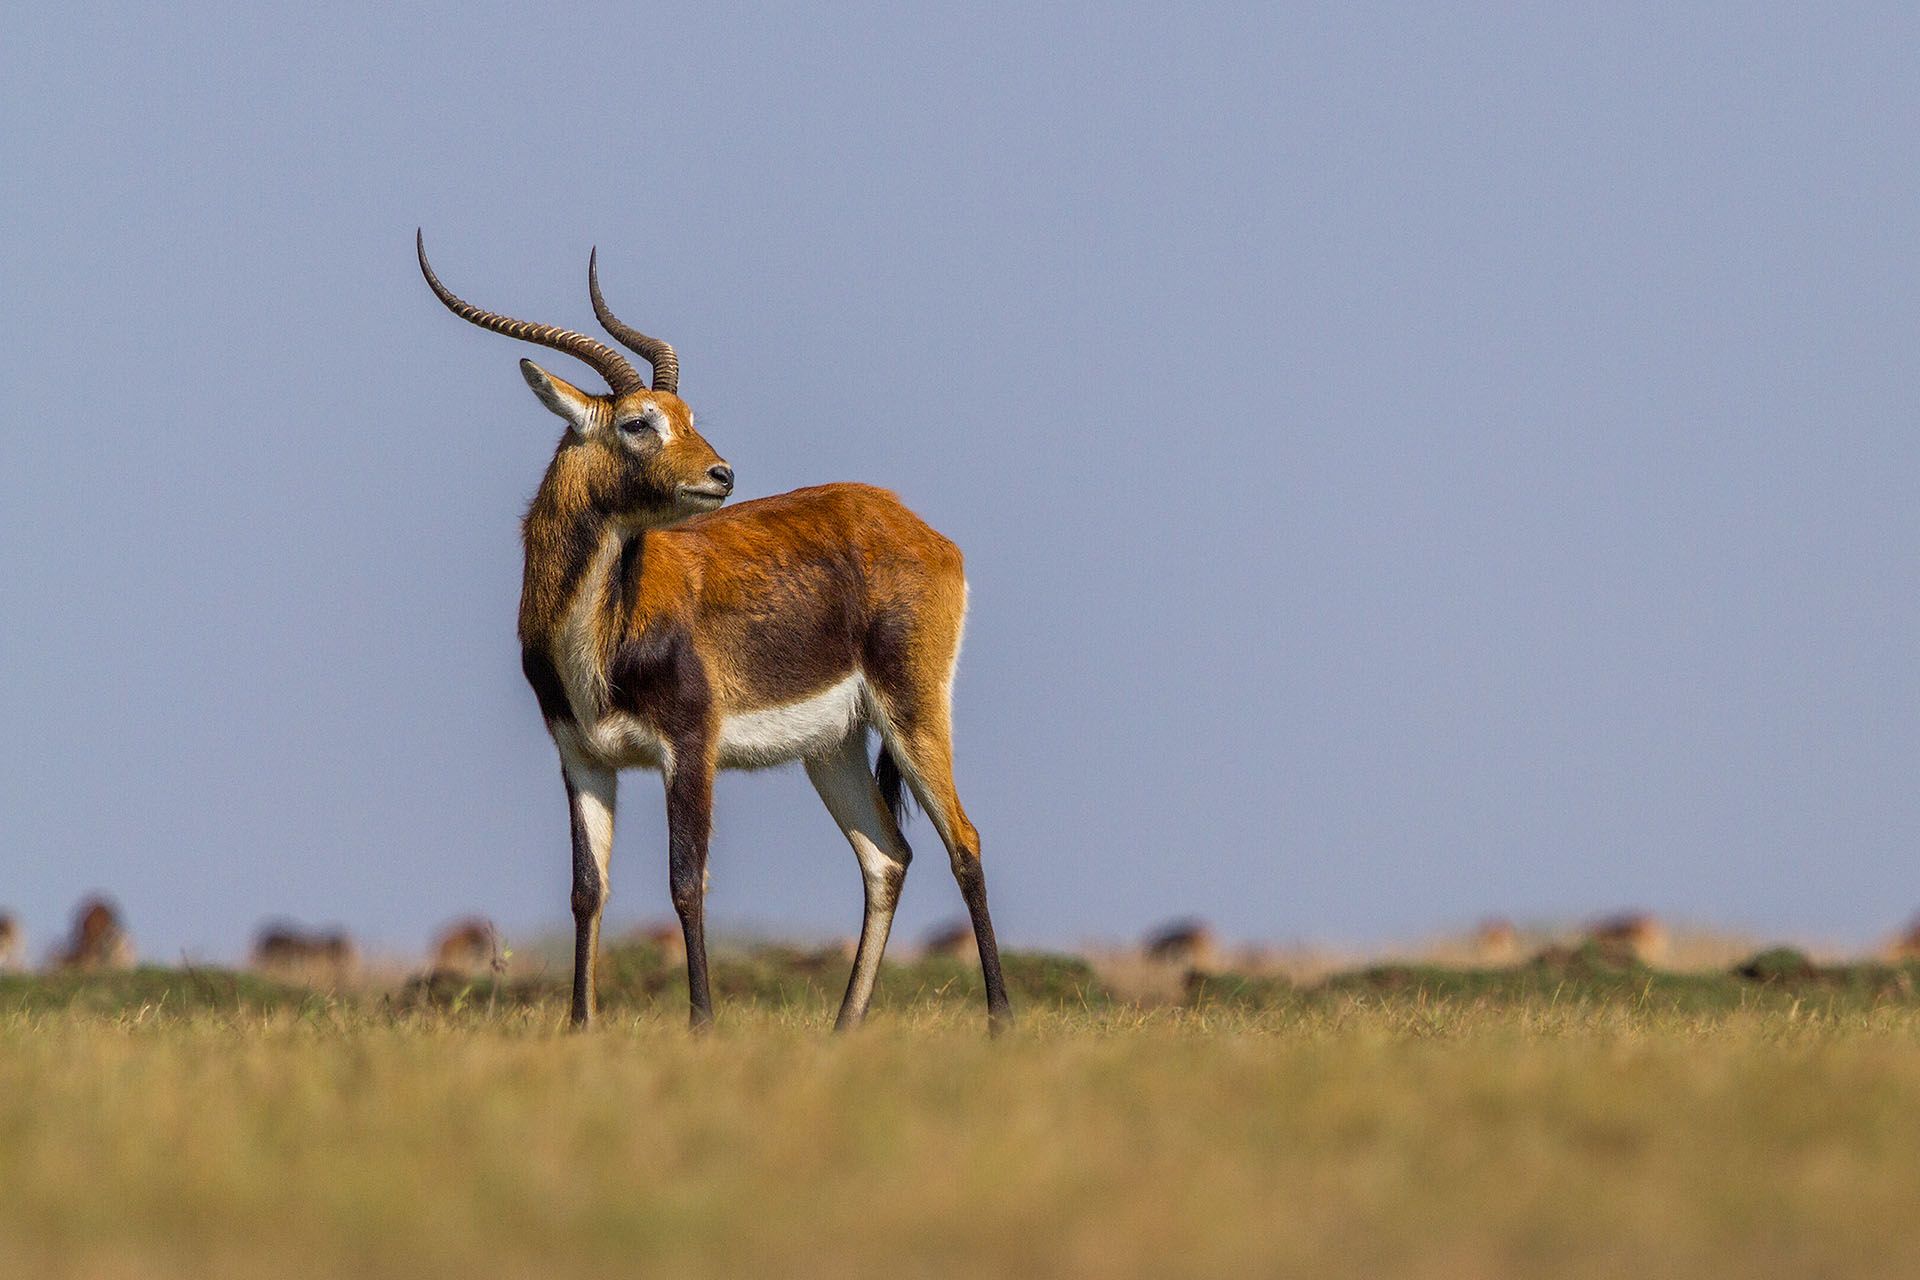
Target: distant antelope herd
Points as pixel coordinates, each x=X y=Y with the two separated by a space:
x=97 y=940
x=470 y=949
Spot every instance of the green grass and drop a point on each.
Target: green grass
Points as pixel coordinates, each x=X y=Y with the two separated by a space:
x=149 y=992
x=637 y=976
x=1571 y=1118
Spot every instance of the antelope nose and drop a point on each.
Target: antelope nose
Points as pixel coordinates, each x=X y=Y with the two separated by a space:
x=722 y=475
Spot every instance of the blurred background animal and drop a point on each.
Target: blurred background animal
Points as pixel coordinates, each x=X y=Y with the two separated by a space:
x=1905 y=945
x=290 y=952
x=467 y=948
x=1634 y=935
x=664 y=937
x=1187 y=942
x=99 y=939
x=12 y=943
x=1494 y=942
x=953 y=940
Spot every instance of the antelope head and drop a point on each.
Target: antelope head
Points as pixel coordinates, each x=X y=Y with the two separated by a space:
x=635 y=446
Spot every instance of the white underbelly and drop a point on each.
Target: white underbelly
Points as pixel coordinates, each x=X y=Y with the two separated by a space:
x=615 y=740
x=748 y=740
x=774 y=735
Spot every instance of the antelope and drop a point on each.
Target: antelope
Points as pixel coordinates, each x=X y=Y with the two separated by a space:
x=661 y=632
x=12 y=947
x=664 y=937
x=99 y=940
x=1494 y=942
x=1186 y=942
x=466 y=948
x=1905 y=946
x=285 y=950
x=1635 y=933
x=950 y=941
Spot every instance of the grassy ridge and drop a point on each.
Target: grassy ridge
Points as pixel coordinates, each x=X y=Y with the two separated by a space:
x=637 y=978
x=1575 y=1117
x=1782 y=978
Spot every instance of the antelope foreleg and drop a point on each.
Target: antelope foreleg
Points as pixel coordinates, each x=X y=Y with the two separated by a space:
x=689 y=822
x=590 y=801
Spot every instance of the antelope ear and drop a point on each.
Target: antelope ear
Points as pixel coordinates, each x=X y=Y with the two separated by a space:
x=561 y=396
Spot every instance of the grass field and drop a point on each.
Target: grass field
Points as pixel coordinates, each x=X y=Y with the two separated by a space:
x=1572 y=1119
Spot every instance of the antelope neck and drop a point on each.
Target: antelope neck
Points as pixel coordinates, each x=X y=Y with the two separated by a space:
x=566 y=534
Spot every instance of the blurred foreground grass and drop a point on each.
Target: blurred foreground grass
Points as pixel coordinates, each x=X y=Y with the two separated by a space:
x=1578 y=1121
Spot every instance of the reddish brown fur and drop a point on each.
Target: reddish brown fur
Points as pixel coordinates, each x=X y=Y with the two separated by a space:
x=831 y=561
x=592 y=472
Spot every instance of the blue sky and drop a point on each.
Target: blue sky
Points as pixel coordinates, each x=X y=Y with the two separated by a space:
x=1412 y=464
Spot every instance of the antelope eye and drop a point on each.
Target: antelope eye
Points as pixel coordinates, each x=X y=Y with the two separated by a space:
x=634 y=426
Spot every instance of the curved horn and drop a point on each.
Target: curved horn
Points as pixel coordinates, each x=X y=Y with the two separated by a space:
x=606 y=362
x=666 y=365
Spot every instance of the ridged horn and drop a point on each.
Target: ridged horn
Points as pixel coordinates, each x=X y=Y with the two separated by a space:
x=606 y=362
x=666 y=365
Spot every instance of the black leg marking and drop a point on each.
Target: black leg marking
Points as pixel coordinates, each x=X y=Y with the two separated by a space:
x=973 y=887
x=689 y=822
x=589 y=896
x=552 y=694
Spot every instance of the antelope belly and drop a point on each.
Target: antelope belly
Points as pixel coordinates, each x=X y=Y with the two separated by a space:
x=773 y=735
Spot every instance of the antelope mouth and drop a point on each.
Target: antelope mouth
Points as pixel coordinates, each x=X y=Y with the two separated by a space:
x=708 y=496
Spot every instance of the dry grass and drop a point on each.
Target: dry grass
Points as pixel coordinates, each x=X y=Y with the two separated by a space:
x=1358 y=1134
